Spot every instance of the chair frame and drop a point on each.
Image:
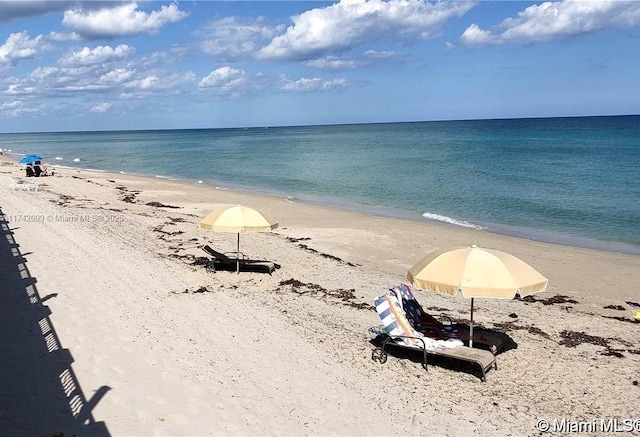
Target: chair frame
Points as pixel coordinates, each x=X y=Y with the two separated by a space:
x=443 y=327
x=16 y=185
x=380 y=353
x=223 y=260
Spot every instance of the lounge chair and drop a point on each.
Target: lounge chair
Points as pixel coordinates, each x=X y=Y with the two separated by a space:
x=445 y=327
x=222 y=261
x=398 y=332
x=22 y=186
x=41 y=170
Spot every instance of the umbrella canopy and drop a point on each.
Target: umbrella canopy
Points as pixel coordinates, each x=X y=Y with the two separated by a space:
x=238 y=219
x=476 y=272
x=29 y=159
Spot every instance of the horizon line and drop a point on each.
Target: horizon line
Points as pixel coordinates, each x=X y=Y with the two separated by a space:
x=326 y=124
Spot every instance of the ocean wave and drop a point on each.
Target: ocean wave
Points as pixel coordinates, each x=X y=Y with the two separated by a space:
x=76 y=159
x=58 y=158
x=164 y=177
x=452 y=221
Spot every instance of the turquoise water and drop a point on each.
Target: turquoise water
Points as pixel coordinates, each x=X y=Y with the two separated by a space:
x=568 y=180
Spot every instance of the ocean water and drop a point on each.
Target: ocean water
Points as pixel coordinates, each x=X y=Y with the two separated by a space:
x=573 y=181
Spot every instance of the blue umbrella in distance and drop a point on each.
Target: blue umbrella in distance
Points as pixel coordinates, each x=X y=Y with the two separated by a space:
x=29 y=159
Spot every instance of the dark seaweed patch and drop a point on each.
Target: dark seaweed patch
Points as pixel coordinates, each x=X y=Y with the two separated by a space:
x=620 y=318
x=295 y=240
x=312 y=250
x=199 y=290
x=511 y=326
x=345 y=296
x=557 y=299
x=159 y=230
x=161 y=205
x=573 y=339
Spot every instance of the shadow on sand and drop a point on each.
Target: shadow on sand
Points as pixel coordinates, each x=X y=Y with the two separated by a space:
x=39 y=392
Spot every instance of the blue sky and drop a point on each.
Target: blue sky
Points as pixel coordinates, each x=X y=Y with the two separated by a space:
x=103 y=65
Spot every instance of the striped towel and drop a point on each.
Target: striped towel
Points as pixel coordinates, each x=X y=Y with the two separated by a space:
x=405 y=291
x=412 y=307
x=394 y=320
x=395 y=323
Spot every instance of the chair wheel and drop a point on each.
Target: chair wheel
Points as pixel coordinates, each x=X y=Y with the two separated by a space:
x=378 y=354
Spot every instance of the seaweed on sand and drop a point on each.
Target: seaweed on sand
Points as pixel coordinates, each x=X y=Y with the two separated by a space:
x=164 y=233
x=63 y=200
x=312 y=250
x=345 y=296
x=558 y=298
x=199 y=290
x=573 y=339
x=620 y=319
x=510 y=326
x=161 y=205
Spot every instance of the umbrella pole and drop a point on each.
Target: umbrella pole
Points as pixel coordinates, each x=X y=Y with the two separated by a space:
x=238 y=255
x=471 y=326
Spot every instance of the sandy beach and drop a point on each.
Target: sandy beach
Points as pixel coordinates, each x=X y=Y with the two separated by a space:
x=111 y=325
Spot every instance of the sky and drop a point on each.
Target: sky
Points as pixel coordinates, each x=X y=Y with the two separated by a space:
x=122 y=65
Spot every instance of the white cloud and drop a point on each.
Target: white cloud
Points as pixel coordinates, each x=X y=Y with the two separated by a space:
x=10 y=105
x=304 y=84
x=153 y=83
x=234 y=38
x=225 y=80
x=343 y=25
x=375 y=54
x=121 y=20
x=19 y=46
x=101 y=107
x=15 y=89
x=145 y=83
x=550 y=20
x=64 y=37
x=98 y=55
x=113 y=75
x=119 y=75
x=19 y=108
x=369 y=57
x=334 y=63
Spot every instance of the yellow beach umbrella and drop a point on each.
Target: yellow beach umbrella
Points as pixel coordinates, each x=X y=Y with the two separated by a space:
x=238 y=219
x=476 y=272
